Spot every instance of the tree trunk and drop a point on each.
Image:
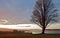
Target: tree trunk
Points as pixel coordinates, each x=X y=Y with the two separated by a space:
x=43 y=30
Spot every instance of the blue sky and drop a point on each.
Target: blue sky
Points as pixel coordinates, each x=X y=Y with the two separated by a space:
x=19 y=11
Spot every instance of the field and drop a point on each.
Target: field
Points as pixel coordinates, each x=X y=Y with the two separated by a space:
x=21 y=34
x=11 y=35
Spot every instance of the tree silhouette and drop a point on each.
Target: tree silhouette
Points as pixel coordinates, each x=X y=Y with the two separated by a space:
x=44 y=13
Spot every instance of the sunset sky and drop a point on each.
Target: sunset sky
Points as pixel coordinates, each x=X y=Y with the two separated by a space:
x=19 y=11
x=16 y=11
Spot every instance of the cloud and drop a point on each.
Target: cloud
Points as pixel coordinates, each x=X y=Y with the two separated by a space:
x=2 y=21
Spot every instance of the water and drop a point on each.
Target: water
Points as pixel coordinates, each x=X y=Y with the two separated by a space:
x=47 y=32
x=53 y=32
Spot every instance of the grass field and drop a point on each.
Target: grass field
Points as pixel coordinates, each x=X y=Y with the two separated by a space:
x=21 y=34
x=29 y=35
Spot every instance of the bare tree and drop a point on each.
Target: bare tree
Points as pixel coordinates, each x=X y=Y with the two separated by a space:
x=44 y=13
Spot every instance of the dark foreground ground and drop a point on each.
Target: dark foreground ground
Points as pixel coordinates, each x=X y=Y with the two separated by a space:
x=21 y=34
x=10 y=35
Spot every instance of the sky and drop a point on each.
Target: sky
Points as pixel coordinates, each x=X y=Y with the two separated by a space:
x=16 y=11
x=19 y=11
